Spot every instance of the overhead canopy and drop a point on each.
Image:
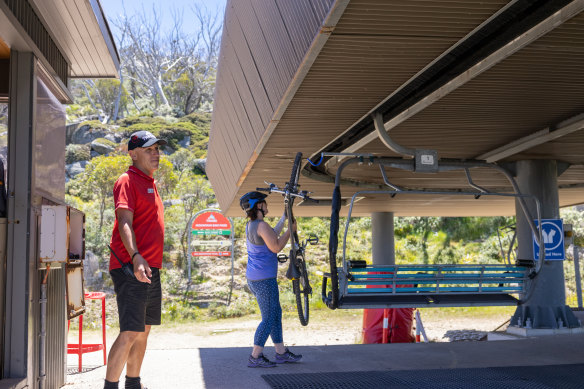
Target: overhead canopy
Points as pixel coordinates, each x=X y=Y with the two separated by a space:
x=83 y=35
x=493 y=80
x=70 y=38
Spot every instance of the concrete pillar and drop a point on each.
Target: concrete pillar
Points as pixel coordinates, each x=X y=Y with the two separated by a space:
x=383 y=247
x=546 y=304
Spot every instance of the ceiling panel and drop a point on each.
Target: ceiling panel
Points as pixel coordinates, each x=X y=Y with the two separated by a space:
x=378 y=46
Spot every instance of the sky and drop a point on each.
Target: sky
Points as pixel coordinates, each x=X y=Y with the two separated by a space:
x=115 y=8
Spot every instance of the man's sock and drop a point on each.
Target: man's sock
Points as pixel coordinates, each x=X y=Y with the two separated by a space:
x=133 y=383
x=110 y=385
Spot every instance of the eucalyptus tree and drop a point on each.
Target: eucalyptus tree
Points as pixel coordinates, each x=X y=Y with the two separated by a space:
x=174 y=70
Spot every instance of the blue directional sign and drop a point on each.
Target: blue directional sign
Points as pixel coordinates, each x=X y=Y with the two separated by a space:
x=553 y=239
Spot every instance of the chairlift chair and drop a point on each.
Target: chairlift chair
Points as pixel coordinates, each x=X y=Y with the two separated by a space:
x=358 y=285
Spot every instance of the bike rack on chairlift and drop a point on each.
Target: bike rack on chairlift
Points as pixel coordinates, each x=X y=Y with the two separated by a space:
x=358 y=285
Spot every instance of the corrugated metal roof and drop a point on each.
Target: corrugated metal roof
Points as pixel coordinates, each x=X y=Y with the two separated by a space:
x=376 y=48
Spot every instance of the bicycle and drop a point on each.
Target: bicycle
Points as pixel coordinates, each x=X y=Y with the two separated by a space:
x=296 y=272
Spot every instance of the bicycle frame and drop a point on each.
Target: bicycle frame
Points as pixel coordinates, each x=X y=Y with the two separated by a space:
x=297 y=267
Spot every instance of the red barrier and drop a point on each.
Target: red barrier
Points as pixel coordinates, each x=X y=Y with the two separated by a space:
x=398 y=323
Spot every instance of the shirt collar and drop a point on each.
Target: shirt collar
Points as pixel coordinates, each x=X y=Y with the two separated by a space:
x=139 y=172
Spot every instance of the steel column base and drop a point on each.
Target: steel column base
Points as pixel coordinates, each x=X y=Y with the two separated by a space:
x=544 y=317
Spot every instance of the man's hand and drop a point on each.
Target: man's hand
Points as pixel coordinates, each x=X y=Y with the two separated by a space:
x=142 y=271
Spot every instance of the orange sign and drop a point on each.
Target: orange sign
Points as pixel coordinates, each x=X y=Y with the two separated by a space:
x=211 y=253
x=211 y=221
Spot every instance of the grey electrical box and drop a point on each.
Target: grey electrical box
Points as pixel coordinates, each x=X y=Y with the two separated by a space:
x=54 y=234
x=426 y=161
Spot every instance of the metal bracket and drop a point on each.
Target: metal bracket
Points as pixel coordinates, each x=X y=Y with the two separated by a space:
x=426 y=161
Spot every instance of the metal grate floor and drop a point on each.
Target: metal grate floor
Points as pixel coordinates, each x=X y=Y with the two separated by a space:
x=520 y=377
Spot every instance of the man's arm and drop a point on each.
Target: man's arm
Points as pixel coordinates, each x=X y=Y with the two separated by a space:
x=141 y=269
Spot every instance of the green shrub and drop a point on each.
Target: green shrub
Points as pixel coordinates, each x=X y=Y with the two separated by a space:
x=95 y=124
x=239 y=307
x=106 y=142
x=75 y=153
x=202 y=120
x=142 y=118
x=178 y=310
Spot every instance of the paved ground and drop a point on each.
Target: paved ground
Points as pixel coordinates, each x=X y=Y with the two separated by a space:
x=225 y=367
x=196 y=357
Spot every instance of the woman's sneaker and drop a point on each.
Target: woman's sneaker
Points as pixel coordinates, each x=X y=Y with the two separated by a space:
x=260 y=361
x=288 y=356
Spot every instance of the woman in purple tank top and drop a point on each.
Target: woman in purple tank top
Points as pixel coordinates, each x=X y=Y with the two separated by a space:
x=263 y=245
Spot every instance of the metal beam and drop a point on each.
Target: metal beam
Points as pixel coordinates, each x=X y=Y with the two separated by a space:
x=19 y=244
x=386 y=139
x=537 y=138
x=521 y=41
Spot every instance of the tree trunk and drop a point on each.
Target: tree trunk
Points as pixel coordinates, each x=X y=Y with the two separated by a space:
x=101 y=212
x=118 y=98
x=91 y=101
x=161 y=92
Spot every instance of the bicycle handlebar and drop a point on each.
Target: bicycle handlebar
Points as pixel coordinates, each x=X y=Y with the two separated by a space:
x=274 y=189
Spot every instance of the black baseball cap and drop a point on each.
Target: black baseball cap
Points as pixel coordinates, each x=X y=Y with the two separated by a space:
x=143 y=139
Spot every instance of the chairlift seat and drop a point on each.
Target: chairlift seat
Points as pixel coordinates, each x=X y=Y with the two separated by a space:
x=358 y=285
x=422 y=286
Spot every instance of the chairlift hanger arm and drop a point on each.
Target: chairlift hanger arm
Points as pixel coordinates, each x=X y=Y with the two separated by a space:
x=332 y=299
x=454 y=164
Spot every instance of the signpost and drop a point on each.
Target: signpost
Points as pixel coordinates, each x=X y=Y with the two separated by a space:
x=210 y=228
x=553 y=240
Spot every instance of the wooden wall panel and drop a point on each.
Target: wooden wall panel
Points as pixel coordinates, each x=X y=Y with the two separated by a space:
x=277 y=37
x=263 y=45
x=263 y=59
x=301 y=23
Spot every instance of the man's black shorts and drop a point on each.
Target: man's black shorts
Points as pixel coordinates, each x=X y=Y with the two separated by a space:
x=139 y=303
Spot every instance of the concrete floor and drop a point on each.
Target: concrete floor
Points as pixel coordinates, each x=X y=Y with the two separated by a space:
x=223 y=368
x=226 y=367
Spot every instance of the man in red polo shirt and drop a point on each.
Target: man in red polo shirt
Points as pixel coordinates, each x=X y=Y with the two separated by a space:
x=137 y=238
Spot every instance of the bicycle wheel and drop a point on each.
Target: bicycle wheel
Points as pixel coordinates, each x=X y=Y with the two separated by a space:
x=289 y=202
x=302 y=291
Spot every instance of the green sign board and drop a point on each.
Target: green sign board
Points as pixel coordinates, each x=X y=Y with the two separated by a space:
x=211 y=232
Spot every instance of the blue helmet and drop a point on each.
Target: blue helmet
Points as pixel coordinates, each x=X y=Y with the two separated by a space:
x=250 y=199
